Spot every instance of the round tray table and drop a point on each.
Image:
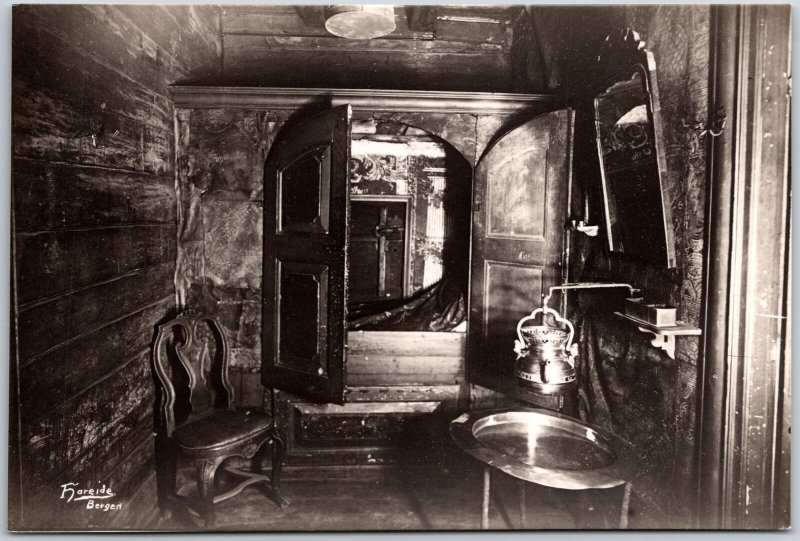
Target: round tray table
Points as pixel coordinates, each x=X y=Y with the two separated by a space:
x=545 y=448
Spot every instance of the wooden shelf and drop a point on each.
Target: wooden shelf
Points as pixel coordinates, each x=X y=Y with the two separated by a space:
x=664 y=337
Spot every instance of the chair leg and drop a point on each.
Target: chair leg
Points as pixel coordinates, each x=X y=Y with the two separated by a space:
x=166 y=476
x=205 y=486
x=278 y=456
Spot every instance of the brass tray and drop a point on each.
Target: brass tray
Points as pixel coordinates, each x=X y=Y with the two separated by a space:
x=545 y=448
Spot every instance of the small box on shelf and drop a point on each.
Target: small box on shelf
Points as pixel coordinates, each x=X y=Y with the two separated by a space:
x=658 y=315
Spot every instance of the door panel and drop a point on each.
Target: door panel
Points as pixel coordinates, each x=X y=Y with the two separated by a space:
x=520 y=207
x=508 y=291
x=515 y=188
x=302 y=318
x=303 y=192
x=306 y=210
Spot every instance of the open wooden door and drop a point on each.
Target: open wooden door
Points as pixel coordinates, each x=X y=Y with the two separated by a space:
x=306 y=207
x=519 y=213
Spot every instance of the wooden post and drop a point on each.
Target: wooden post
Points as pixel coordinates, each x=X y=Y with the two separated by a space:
x=746 y=313
x=721 y=173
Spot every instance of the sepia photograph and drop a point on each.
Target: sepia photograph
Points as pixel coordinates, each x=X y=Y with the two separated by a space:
x=451 y=267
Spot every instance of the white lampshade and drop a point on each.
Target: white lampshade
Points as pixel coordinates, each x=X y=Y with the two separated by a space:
x=360 y=22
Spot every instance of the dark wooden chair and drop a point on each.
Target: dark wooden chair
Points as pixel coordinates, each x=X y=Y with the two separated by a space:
x=200 y=425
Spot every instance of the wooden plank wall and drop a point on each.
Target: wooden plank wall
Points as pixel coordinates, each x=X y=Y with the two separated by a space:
x=94 y=241
x=404 y=358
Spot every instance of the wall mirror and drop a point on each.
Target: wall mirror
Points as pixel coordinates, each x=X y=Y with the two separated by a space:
x=630 y=151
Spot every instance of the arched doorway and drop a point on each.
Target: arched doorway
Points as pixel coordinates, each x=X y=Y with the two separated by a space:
x=410 y=197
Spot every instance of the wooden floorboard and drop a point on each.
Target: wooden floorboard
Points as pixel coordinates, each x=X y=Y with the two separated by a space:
x=410 y=502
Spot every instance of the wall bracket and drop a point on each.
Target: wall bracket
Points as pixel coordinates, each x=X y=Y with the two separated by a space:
x=663 y=337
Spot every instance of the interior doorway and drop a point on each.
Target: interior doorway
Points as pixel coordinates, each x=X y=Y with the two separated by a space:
x=410 y=201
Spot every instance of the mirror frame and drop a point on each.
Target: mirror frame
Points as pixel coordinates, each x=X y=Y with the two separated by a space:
x=622 y=55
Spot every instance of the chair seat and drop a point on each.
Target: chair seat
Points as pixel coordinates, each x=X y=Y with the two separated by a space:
x=220 y=429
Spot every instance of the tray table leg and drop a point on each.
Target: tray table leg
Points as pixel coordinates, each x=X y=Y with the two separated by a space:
x=626 y=500
x=487 y=482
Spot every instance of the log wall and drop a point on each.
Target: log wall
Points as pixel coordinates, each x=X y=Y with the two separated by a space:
x=94 y=242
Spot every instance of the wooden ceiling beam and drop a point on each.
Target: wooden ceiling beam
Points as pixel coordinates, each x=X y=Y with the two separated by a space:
x=238 y=44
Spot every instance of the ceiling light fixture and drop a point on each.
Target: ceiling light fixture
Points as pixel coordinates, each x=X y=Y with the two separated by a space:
x=360 y=22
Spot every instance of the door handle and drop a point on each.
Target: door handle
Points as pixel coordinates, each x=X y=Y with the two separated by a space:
x=524 y=256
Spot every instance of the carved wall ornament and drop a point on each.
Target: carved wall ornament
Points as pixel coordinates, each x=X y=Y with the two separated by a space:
x=714 y=127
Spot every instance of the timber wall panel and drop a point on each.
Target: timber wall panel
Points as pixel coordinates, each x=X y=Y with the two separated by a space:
x=368 y=69
x=63 y=372
x=95 y=238
x=55 y=449
x=46 y=325
x=56 y=80
x=61 y=196
x=54 y=262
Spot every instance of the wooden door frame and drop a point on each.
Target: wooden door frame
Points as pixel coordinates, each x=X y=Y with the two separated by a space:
x=743 y=466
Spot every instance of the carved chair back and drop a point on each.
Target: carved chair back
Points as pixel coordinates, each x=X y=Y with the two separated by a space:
x=191 y=363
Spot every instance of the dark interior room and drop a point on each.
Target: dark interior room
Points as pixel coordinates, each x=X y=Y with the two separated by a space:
x=426 y=267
